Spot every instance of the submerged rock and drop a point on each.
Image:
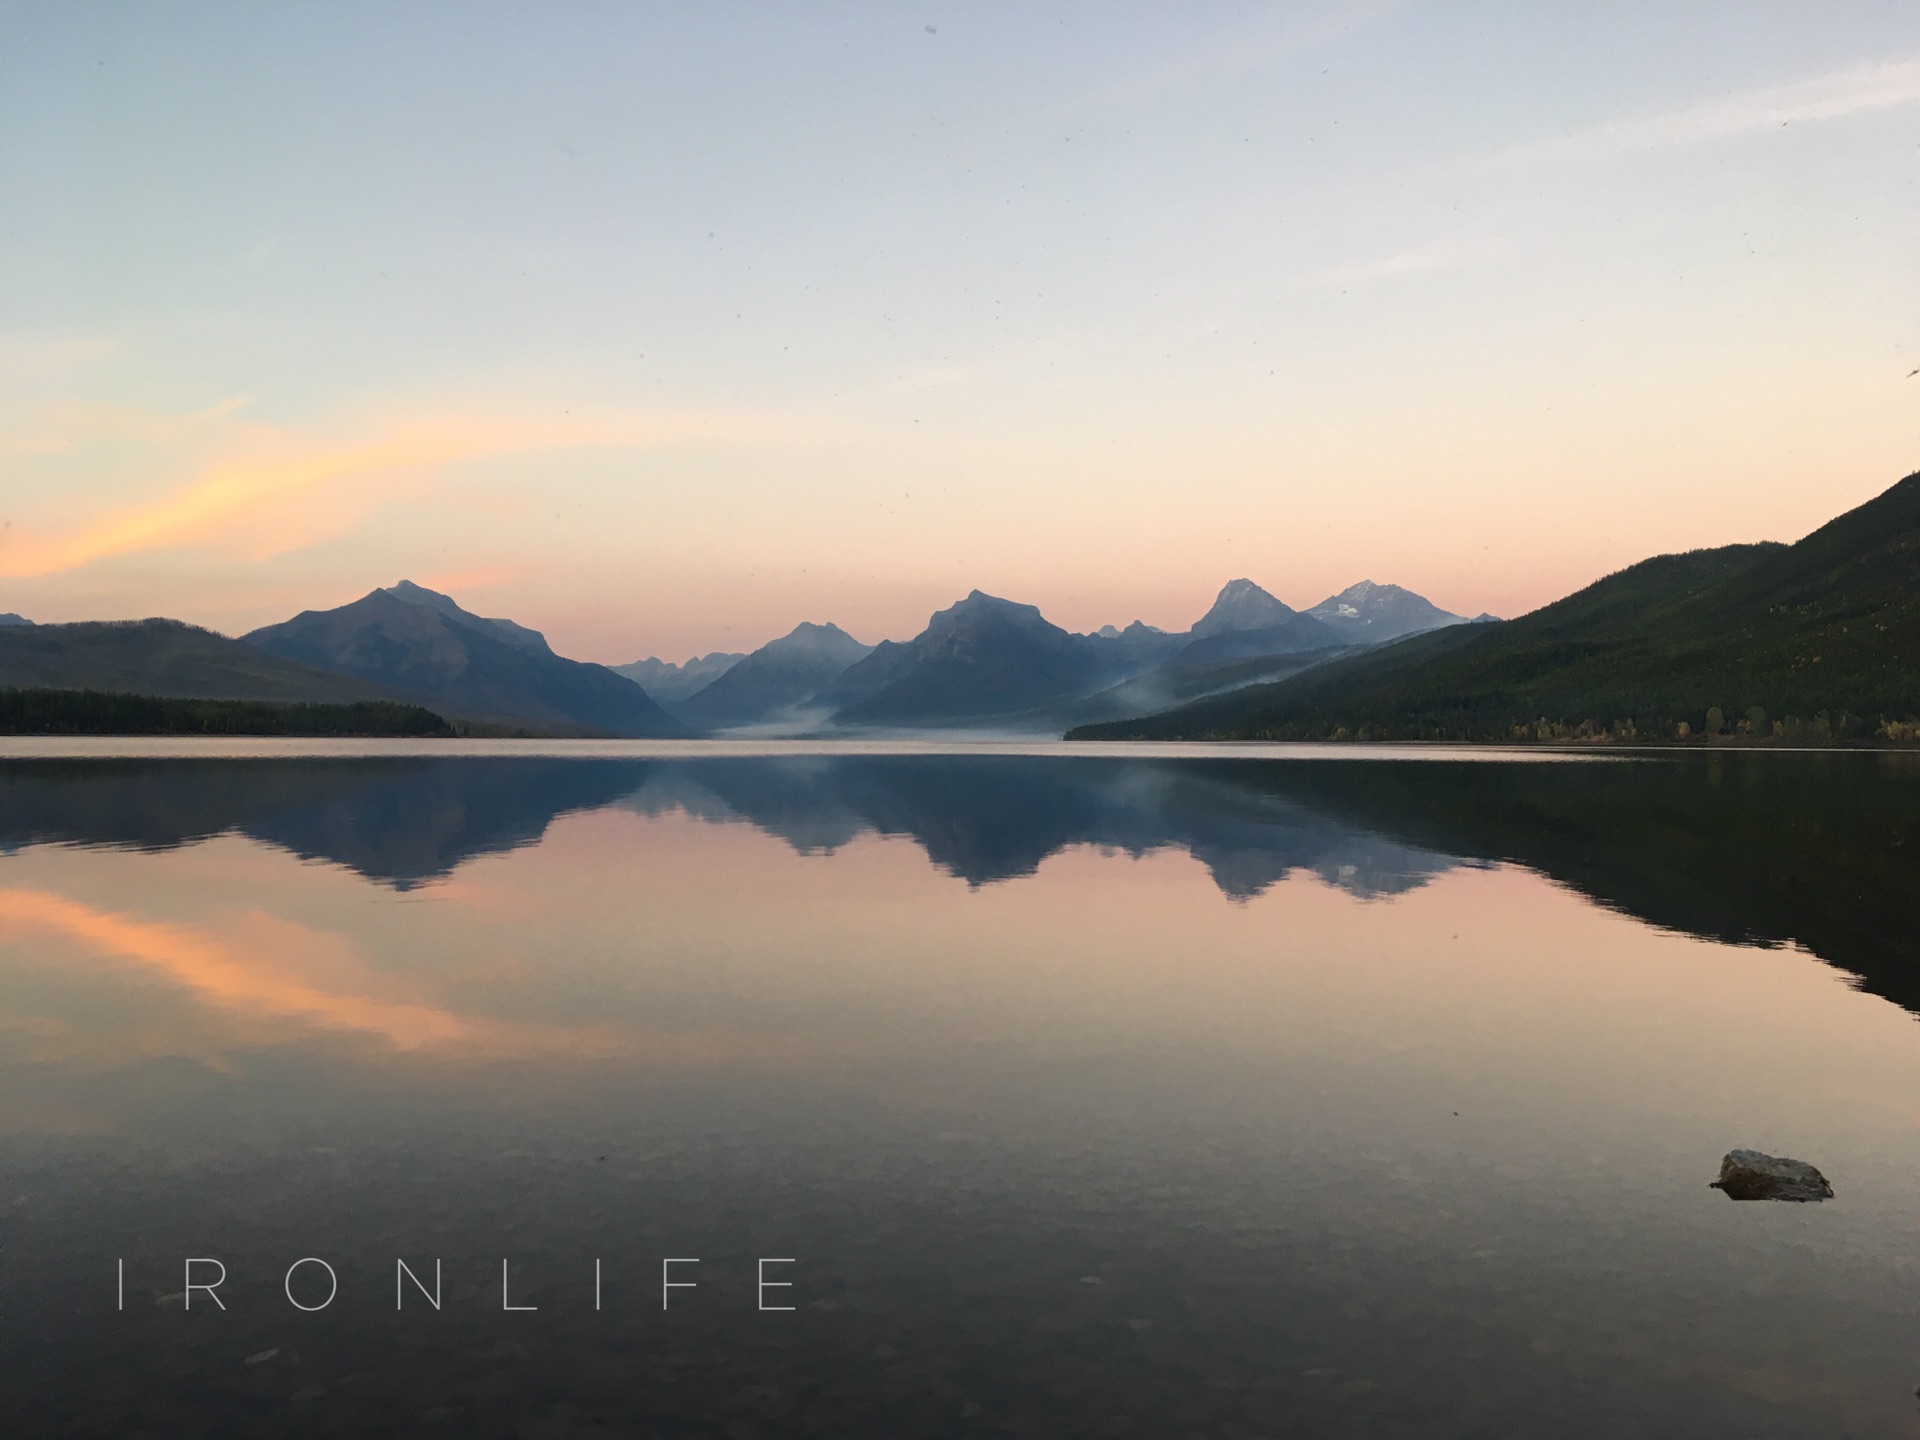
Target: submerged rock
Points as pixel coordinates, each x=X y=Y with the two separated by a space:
x=1749 y=1175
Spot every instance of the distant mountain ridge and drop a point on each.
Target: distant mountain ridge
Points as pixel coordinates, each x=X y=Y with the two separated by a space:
x=422 y=646
x=667 y=682
x=1241 y=605
x=1246 y=622
x=780 y=675
x=980 y=657
x=983 y=662
x=1294 y=636
x=1370 y=613
x=986 y=658
x=990 y=662
x=1820 y=639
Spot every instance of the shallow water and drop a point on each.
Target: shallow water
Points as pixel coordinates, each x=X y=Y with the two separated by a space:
x=1089 y=1094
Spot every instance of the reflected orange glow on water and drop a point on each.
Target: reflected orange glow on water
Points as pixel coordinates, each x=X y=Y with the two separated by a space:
x=1224 y=1048
x=624 y=943
x=255 y=979
x=224 y=976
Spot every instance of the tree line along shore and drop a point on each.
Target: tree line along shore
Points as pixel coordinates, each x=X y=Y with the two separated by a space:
x=90 y=712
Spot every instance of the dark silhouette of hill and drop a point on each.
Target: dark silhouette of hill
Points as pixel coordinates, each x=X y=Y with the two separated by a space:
x=89 y=712
x=167 y=658
x=1822 y=637
x=779 y=675
x=434 y=653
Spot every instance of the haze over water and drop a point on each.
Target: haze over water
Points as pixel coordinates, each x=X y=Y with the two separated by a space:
x=1089 y=1094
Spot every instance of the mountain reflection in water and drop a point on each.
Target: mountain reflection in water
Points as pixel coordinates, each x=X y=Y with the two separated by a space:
x=1819 y=850
x=1092 y=1095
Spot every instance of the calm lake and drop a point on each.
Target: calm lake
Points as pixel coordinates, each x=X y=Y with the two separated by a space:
x=1081 y=1093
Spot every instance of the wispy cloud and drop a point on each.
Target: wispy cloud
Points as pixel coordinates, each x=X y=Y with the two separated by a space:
x=229 y=489
x=1277 y=38
x=1827 y=97
x=1424 y=261
x=264 y=501
x=221 y=409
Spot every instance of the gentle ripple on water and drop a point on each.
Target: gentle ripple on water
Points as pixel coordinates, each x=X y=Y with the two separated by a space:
x=1108 y=1095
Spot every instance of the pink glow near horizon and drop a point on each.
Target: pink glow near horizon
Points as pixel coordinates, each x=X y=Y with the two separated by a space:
x=661 y=353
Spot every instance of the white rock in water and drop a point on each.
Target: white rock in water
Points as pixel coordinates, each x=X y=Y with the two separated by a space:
x=1749 y=1175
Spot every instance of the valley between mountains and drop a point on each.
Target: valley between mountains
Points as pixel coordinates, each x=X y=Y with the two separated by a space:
x=1814 y=643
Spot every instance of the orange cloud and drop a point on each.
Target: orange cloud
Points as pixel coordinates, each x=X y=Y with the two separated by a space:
x=271 y=491
x=232 y=488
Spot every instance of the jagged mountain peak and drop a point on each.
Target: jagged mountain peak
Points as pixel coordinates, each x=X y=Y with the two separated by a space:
x=667 y=682
x=1369 y=613
x=979 y=607
x=1242 y=605
x=423 y=647
x=809 y=635
x=780 y=675
x=518 y=636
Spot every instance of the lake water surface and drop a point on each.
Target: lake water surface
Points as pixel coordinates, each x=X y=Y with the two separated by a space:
x=1182 y=1093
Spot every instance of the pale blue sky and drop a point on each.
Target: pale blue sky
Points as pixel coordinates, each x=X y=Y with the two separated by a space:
x=663 y=327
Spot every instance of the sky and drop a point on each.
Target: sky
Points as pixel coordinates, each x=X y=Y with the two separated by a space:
x=661 y=328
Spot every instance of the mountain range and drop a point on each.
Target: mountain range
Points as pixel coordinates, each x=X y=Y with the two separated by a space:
x=979 y=658
x=1373 y=614
x=668 y=682
x=983 y=662
x=1814 y=641
x=420 y=645
x=775 y=679
x=988 y=662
